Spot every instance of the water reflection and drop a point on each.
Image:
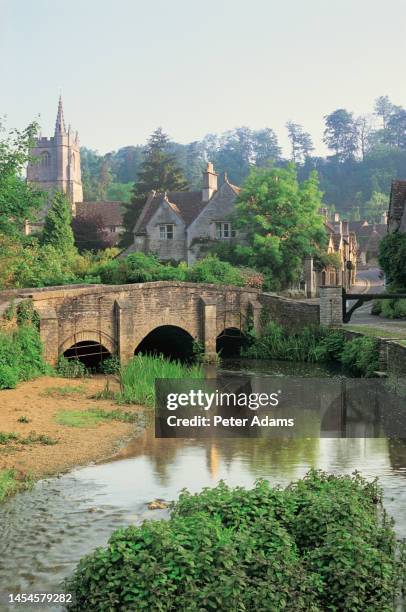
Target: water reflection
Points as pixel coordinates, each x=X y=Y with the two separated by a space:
x=45 y=531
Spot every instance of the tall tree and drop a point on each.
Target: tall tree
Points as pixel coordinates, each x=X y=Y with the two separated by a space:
x=383 y=108
x=300 y=141
x=19 y=201
x=159 y=171
x=281 y=222
x=395 y=133
x=365 y=134
x=340 y=134
x=57 y=230
x=265 y=147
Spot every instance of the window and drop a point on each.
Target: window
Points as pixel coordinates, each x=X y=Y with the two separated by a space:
x=45 y=159
x=224 y=230
x=166 y=232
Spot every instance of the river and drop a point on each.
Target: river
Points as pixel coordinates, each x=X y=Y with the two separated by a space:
x=44 y=531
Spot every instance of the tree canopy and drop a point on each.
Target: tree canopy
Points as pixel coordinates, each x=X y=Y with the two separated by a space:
x=19 y=200
x=57 y=230
x=280 y=219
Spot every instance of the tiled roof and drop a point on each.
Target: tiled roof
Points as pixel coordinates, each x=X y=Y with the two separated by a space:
x=187 y=204
x=111 y=212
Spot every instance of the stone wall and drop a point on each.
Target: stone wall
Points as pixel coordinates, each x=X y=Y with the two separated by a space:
x=293 y=314
x=167 y=250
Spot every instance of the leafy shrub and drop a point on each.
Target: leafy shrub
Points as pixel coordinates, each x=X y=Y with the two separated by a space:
x=394 y=309
x=392 y=257
x=361 y=356
x=21 y=356
x=111 y=365
x=261 y=549
x=376 y=307
x=71 y=368
x=275 y=342
x=212 y=270
x=330 y=347
x=314 y=344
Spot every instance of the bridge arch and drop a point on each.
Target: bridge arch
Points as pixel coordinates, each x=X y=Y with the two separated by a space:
x=171 y=341
x=91 y=347
x=230 y=342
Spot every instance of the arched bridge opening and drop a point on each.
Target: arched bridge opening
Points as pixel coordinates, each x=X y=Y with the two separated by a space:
x=168 y=340
x=230 y=342
x=90 y=353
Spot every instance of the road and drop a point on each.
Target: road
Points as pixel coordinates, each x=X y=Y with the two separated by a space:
x=370 y=281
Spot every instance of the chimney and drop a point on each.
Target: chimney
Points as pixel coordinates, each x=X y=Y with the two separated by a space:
x=323 y=211
x=209 y=182
x=384 y=218
x=346 y=229
x=336 y=217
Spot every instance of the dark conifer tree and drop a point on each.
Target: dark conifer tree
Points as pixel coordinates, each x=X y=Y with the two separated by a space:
x=57 y=228
x=160 y=172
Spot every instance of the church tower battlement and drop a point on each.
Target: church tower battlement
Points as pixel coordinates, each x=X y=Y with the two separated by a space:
x=56 y=166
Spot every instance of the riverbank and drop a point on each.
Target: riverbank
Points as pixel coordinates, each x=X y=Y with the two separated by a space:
x=45 y=428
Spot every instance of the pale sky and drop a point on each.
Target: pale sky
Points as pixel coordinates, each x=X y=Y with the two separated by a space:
x=125 y=67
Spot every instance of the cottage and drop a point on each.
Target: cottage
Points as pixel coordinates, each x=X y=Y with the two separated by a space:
x=183 y=225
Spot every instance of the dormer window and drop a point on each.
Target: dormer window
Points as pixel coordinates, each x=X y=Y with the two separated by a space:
x=166 y=231
x=224 y=231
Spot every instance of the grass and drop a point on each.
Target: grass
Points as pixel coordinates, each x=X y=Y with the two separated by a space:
x=64 y=391
x=23 y=419
x=376 y=332
x=32 y=438
x=137 y=378
x=93 y=416
x=10 y=483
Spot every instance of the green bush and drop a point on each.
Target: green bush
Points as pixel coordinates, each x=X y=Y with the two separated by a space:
x=361 y=356
x=212 y=270
x=275 y=342
x=21 y=356
x=111 y=365
x=260 y=549
x=376 y=307
x=392 y=257
x=394 y=309
x=314 y=344
x=71 y=368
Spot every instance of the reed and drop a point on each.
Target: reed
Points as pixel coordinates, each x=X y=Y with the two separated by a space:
x=137 y=378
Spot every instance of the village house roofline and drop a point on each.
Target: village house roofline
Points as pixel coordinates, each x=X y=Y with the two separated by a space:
x=110 y=212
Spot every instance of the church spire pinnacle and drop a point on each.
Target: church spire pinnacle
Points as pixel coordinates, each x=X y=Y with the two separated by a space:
x=60 y=122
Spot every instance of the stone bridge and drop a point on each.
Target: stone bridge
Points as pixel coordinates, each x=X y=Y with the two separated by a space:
x=117 y=319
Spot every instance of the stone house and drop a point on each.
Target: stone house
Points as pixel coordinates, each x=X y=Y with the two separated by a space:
x=369 y=236
x=397 y=207
x=183 y=225
x=340 y=242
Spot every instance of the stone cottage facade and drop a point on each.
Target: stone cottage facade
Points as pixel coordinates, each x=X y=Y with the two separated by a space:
x=183 y=225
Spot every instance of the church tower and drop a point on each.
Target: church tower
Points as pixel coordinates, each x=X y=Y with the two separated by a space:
x=56 y=166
